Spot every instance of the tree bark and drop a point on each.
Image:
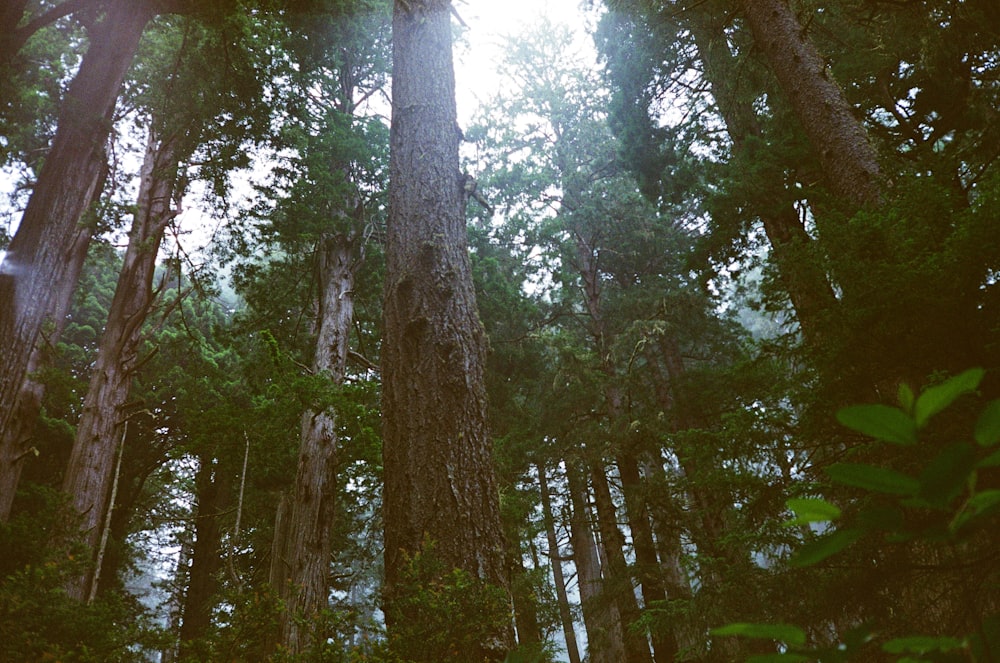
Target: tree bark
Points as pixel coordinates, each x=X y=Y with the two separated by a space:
x=15 y=439
x=439 y=476
x=600 y=615
x=838 y=138
x=306 y=586
x=36 y=262
x=88 y=474
x=565 y=615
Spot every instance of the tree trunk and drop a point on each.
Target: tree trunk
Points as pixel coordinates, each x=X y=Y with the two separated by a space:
x=440 y=483
x=664 y=644
x=565 y=615
x=617 y=578
x=523 y=596
x=600 y=616
x=805 y=282
x=36 y=262
x=306 y=586
x=206 y=559
x=838 y=138
x=16 y=438
x=88 y=473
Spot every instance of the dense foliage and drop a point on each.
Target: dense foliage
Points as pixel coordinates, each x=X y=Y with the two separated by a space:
x=737 y=412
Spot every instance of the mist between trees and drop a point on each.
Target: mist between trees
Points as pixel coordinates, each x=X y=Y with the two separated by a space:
x=689 y=356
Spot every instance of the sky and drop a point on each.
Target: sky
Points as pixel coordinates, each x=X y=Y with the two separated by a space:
x=489 y=23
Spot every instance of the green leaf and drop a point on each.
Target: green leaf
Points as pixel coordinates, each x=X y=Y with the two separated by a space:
x=938 y=397
x=906 y=397
x=882 y=422
x=791 y=635
x=945 y=476
x=978 y=507
x=811 y=510
x=823 y=547
x=922 y=644
x=993 y=460
x=877 y=479
x=988 y=426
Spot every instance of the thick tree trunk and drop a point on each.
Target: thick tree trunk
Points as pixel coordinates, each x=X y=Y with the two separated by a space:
x=600 y=615
x=88 y=474
x=838 y=138
x=807 y=285
x=558 y=579
x=15 y=439
x=306 y=587
x=35 y=264
x=440 y=483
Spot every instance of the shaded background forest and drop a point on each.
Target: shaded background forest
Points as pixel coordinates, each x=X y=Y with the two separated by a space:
x=746 y=218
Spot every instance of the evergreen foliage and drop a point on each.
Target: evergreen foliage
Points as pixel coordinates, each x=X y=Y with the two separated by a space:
x=731 y=410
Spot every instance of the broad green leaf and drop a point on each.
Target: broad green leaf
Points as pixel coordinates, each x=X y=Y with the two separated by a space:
x=882 y=422
x=979 y=506
x=945 y=476
x=988 y=426
x=940 y=396
x=823 y=547
x=811 y=510
x=877 y=479
x=786 y=633
x=922 y=644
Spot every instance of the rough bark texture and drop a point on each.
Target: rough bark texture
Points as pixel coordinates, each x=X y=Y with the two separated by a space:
x=439 y=476
x=304 y=575
x=565 y=615
x=88 y=474
x=36 y=261
x=840 y=142
x=16 y=438
x=600 y=616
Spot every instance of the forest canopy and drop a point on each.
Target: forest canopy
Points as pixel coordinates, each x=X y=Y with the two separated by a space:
x=685 y=346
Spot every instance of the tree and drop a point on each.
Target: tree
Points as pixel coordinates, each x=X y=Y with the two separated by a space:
x=440 y=493
x=35 y=264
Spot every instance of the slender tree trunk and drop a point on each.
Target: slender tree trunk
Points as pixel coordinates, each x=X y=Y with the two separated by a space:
x=565 y=615
x=36 y=262
x=440 y=483
x=308 y=549
x=523 y=595
x=88 y=473
x=600 y=615
x=838 y=138
x=206 y=558
x=664 y=644
x=617 y=576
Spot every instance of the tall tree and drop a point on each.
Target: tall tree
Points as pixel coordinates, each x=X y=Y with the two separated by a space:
x=88 y=479
x=439 y=478
x=35 y=264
